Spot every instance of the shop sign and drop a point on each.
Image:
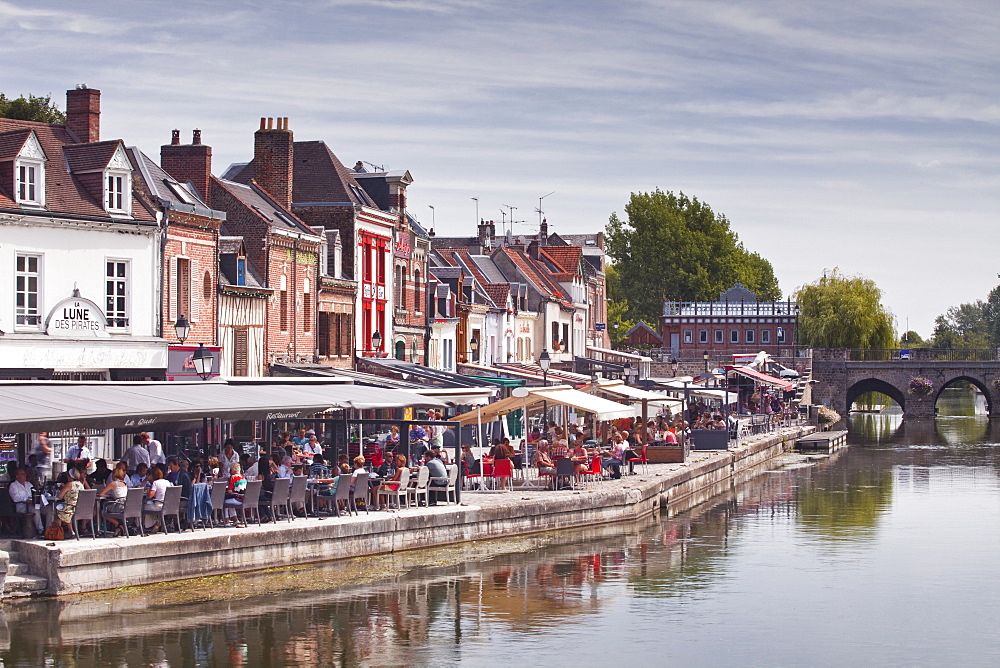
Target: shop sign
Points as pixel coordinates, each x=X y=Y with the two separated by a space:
x=180 y=362
x=600 y=326
x=403 y=248
x=76 y=318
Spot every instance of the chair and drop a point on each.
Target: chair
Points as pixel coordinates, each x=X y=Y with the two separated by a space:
x=343 y=494
x=503 y=469
x=161 y=512
x=565 y=468
x=297 y=494
x=595 y=472
x=172 y=507
x=469 y=475
x=280 y=497
x=420 y=488
x=361 y=489
x=487 y=467
x=86 y=500
x=399 y=492
x=218 y=497
x=134 y=500
x=450 y=492
x=641 y=459
x=251 y=497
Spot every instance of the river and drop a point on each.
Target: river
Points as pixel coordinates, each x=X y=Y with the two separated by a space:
x=884 y=554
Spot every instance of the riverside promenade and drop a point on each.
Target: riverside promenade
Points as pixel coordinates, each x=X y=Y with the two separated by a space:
x=71 y=567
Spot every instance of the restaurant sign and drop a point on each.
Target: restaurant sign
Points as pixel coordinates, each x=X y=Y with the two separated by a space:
x=180 y=362
x=76 y=318
x=404 y=246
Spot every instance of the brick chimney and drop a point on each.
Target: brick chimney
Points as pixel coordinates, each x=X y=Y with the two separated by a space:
x=188 y=162
x=273 y=153
x=83 y=113
x=543 y=232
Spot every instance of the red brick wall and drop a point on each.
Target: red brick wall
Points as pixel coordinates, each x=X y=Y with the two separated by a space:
x=195 y=238
x=334 y=218
x=273 y=152
x=296 y=265
x=189 y=162
x=83 y=114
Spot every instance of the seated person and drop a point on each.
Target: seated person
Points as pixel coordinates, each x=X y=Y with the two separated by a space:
x=116 y=490
x=20 y=492
x=439 y=477
x=319 y=469
x=543 y=460
x=469 y=460
x=234 y=490
x=391 y=484
x=138 y=479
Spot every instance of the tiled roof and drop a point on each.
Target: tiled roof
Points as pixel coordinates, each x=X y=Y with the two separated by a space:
x=488 y=269
x=317 y=176
x=165 y=187
x=255 y=199
x=498 y=293
x=12 y=142
x=90 y=157
x=566 y=258
x=63 y=191
x=460 y=257
x=535 y=275
x=230 y=245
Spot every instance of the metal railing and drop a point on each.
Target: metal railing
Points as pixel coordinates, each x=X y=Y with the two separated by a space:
x=924 y=354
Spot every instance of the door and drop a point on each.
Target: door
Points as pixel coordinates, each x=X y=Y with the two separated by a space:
x=675 y=344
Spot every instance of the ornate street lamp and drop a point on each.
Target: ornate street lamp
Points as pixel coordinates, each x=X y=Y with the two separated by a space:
x=673 y=365
x=474 y=347
x=203 y=361
x=627 y=371
x=182 y=328
x=705 y=356
x=377 y=341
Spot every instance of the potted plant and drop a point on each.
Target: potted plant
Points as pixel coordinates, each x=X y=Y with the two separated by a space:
x=920 y=386
x=827 y=417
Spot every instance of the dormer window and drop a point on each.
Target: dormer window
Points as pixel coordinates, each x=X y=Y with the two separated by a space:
x=115 y=200
x=29 y=173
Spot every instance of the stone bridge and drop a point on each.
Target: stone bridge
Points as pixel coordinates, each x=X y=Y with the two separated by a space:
x=843 y=375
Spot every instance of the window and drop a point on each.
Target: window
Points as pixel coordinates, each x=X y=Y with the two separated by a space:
x=734 y=336
x=749 y=336
x=283 y=305
x=116 y=293
x=401 y=288
x=380 y=250
x=765 y=336
x=417 y=304
x=323 y=335
x=241 y=351
x=781 y=335
x=207 y=288
x=719 y=336
x=367 y=250
x=241 y=271
x=307 y=307
x=115 y=192
x=183 y=285
x=401 y=350
x=687 y=336
x=26 y=289
x=28 y=187
x=703 y=336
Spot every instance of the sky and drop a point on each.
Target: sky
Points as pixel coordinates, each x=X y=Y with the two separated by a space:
x=857 y=134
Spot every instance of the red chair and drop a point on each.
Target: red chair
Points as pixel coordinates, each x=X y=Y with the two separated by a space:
x=468 y=476
x=641 y=459
x=595 y=472
x=503 y=469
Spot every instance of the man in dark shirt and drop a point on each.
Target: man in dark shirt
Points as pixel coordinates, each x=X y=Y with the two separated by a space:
x=180 y=477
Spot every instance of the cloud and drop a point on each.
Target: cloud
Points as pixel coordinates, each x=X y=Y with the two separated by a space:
x=35 y=19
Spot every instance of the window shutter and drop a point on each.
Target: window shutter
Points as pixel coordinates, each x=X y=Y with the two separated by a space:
x=241 y=357
x=171 y=290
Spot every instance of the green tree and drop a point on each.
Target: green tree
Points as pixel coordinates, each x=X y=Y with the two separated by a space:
x=31 y=108
x=675 y=247
x=840 y=311
x=618 y=323
x=963 y=326
x=911 y=339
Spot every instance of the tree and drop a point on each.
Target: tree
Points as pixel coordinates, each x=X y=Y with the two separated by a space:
x=675 y=247
x=963 y=326
x=618 y=323
x=840 y=311
x=31 y=108
x=910 y=339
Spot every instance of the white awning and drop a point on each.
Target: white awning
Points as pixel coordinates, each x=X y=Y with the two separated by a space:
x=460 y=396
x=560 y=394
x=619 y=388
x=29 y=406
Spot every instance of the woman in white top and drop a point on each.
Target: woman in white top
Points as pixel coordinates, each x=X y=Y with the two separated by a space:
x=157 y=489
x=116 y=490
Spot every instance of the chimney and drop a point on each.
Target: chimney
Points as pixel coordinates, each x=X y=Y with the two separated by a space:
x=83 y=113
x=273 y=153
x=485 y=235
x=188 y=163
x=543 y=232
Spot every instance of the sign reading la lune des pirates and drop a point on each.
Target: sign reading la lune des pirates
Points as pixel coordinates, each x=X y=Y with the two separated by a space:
x=76 y=318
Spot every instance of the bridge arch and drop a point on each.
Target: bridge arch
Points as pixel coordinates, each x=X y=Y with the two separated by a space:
x=975 y=382
x=875 y=385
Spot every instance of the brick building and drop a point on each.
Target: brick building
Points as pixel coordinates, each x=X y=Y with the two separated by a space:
x=737 y=323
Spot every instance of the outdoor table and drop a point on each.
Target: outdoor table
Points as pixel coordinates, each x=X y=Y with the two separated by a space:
x=200 y=503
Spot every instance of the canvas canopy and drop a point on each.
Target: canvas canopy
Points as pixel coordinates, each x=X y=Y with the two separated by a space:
x=603 y=409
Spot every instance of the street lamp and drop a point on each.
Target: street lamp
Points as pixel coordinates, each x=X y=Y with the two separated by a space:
x=377 y=341
x=544 y=361
x=203 y=361
x=705 y=356
x=474 y=347
x=673 y=365
x=182 y=328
